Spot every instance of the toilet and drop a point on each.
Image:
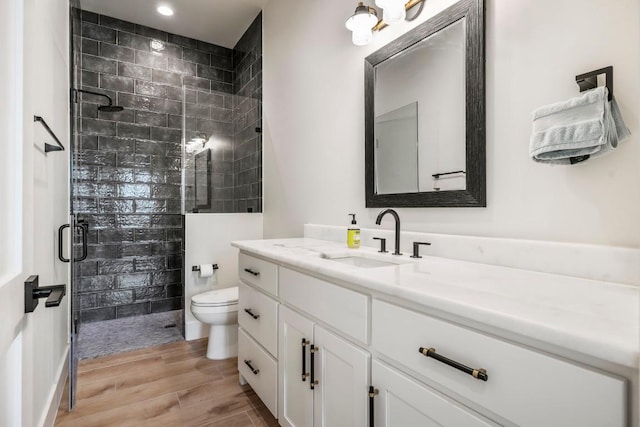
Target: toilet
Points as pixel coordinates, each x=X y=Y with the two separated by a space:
x=219 y=310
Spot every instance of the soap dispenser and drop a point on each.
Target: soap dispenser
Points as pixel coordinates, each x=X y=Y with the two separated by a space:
x=353 y=234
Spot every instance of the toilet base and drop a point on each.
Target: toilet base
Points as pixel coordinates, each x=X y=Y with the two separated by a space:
x=223 y=341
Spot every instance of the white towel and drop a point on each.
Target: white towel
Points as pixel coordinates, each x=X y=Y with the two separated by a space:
x=571 y=131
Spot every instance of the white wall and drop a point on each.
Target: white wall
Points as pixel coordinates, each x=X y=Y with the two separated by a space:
x=33 y=347
x=208 y=238
x=314 y=120
x=46 y=79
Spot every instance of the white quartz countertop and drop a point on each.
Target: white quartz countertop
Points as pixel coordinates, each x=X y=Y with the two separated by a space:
x=598 y=319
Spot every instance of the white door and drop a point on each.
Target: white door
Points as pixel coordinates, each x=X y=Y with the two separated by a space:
x=34 y=201
x=295 y=397
x=402 y=402
x=342 y=371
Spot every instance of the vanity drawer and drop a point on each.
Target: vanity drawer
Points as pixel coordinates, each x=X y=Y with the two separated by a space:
x=344 y=309
x=260 y=273
x=524 y=386
x=263 y=373
x=264 y=328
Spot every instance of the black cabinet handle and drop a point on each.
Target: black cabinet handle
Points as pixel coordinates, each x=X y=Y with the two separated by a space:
x=373 y=392
x=304 y=360
x=250 y=313
x=254 y=370
x=313 y=382
x=250 y=271
x=479 y=374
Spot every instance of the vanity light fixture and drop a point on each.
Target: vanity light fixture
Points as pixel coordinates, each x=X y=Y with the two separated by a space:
x=165 y=10
x=361 y=24
x=365 y=19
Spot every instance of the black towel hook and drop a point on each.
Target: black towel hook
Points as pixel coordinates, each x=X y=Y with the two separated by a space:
x=589 y=80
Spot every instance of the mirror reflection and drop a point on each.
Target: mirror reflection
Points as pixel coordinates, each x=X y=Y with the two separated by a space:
x=420 y=118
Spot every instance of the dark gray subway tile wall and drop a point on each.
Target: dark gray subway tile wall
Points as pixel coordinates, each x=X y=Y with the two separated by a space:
x=128 y=169
x=247 y=120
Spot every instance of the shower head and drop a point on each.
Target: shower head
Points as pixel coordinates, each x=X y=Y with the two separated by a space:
x=109 y=108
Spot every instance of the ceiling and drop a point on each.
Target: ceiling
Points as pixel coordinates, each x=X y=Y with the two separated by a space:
x=220 y=22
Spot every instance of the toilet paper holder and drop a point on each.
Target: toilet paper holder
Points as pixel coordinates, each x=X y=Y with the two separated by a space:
x=197 y=267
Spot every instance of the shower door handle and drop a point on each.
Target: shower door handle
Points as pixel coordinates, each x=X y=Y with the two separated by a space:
x=85 y=250
x=82 y=225
x=60 y=249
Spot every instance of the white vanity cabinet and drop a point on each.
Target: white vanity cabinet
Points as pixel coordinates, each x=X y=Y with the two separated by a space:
x=400 y=401
x=322 y=348
x=323 y=378
x=523 y=386
x=258 y=328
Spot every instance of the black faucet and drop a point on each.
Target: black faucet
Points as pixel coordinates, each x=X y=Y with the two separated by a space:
x=397 y=218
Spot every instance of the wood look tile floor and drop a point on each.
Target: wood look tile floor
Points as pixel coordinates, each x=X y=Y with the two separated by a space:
x=168 y=385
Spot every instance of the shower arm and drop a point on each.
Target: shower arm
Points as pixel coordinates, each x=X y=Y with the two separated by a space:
x=94 y=93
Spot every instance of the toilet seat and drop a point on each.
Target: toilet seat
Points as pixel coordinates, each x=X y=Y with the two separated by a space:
x=217 y=298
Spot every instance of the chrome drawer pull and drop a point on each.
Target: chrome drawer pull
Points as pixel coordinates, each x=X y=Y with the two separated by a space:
x=250 y=313
x=254 y=370
x=250 y=271
x=479 y=374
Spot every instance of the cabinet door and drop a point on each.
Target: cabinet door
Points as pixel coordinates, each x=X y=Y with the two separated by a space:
x=295 y=398
x=342 y=371
x=402 y=402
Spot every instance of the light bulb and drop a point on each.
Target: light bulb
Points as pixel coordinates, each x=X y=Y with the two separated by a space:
x=165 y=10
x=361 y=24
x=393 y=11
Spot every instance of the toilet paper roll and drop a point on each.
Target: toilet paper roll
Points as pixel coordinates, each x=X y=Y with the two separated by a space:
x=206 y=270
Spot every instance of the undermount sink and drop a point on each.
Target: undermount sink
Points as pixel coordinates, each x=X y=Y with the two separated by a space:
x=362 y=262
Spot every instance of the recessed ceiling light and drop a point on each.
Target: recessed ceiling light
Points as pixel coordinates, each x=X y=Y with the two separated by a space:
x=165 y=10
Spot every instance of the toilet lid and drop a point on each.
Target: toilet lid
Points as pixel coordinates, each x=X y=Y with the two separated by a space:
x=228 y=296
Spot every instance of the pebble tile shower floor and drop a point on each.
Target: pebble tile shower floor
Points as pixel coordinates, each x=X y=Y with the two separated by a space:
x=130 y=333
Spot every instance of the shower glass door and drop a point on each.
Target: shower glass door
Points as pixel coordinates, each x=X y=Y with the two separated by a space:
x=78 y=229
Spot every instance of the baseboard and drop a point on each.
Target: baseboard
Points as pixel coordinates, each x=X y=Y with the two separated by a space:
x=58 y=391
x=194 y=330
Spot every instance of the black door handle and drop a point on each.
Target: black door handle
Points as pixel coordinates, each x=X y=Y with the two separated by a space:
x=33 y=291
x=82 y=225
x=60 y=249
x=85 y=251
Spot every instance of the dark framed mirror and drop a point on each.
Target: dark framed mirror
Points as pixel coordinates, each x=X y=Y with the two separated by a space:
x=425 y=140
x=202 y=182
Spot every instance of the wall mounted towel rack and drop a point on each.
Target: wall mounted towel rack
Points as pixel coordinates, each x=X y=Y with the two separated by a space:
x=49 y=147
x=589 y=80
x=438 y=175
